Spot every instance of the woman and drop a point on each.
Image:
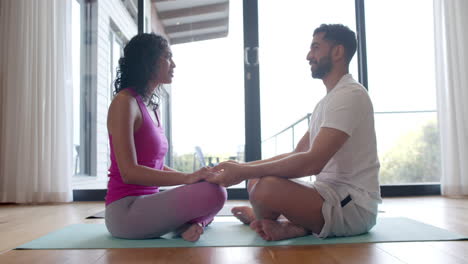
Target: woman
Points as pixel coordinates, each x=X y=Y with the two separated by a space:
x=135 y=209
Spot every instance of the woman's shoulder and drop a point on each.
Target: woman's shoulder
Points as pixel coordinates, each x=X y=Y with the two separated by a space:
x=125 y=93
x=123 y=109
x=124 y=96
x=124 y=101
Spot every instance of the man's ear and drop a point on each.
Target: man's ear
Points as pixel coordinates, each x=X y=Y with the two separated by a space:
x=338 y=52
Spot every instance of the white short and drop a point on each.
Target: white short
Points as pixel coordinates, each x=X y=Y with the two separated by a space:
x=346 y=211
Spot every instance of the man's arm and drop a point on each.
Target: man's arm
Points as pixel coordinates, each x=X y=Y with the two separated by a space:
x=304 y=143
x=302 y=146
x=297 y=164
x=327 y=142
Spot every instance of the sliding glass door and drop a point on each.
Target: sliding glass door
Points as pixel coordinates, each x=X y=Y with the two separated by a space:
x=288 y=92
x=207 y=98
x=396 y=59
x=247 y=93
x=401 y=62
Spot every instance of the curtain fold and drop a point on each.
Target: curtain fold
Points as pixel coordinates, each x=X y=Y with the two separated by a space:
x=36 y=101
x=451 y=38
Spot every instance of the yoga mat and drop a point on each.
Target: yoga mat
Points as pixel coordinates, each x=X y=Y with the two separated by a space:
x=100 y=214
x=230 y=234
x=225 y=211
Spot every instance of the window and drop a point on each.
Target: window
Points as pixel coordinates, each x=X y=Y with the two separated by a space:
x=208 y=99
x=288 y=92
x=401 y=73
x=76 y=40
x=116 y=42
x=205 y=103
x=101 y=29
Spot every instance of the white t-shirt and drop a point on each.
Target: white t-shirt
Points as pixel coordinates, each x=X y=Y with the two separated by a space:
x=347 y=107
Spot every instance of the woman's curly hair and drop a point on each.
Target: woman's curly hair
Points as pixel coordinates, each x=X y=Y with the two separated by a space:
x=139 y=65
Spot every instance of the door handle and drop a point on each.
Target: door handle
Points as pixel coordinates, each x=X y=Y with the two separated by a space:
x=246 y=56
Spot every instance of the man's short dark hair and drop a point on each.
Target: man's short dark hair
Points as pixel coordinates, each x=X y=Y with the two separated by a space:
x=339 y=34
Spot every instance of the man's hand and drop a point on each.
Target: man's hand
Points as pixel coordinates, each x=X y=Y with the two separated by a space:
x=228 y=173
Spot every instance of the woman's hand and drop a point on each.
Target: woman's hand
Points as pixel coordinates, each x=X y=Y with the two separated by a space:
x=199 y=175
x=228 y=173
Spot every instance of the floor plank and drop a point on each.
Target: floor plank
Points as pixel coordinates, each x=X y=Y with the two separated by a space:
x=422 y=252
x=52 y=256
x=22 y=223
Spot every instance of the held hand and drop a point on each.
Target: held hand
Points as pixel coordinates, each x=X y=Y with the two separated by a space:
x=199 y=175
x=227 y=174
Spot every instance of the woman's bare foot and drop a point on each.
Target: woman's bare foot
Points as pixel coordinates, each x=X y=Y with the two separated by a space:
x=244 y=213
x=271 y=230
x=192 y=233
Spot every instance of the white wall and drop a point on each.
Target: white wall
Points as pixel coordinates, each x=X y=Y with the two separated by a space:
x=107 y=10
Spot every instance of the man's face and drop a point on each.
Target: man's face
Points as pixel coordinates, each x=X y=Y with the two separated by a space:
x=319 y=57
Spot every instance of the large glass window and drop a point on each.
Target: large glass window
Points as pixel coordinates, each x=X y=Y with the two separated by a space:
x=204 y=108
x=207 y=97
x=401 y=74
x=287 y=91
x=76 y=40
x=100 y=29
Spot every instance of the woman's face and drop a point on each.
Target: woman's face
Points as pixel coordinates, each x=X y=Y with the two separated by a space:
x=166 y=67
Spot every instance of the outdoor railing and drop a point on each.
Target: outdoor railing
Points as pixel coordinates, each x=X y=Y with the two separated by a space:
x=291 y=128
x=286 y=140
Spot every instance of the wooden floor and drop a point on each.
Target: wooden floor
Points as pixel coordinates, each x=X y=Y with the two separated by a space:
x=22 y=223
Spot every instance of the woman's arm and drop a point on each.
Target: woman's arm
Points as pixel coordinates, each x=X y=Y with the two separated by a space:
x=123 y=117
x=166 y=168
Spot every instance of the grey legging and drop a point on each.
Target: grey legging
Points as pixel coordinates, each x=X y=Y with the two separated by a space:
x=149 y=216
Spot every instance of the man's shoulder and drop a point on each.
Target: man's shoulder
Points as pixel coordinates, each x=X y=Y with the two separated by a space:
x=350 y=95
x=348 y=83
x=351 y=91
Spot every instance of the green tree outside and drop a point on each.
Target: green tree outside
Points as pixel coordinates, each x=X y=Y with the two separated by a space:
x=188 y=162
x=414 y=159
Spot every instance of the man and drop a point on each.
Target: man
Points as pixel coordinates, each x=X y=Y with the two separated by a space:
x=339 y=148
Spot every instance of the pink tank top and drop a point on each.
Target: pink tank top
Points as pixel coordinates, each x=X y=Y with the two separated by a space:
x=151 y=147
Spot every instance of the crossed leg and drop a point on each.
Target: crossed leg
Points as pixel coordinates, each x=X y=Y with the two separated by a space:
x=273 y=196
x=245 y=214
x=190 y=232
x=184 y=210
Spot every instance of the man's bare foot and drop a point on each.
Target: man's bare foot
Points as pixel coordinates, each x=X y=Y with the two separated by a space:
x=271 y=230
x=192 y=233
x=244 y=213
x=256 y=225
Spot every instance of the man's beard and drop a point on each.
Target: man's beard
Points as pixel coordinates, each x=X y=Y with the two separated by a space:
x=324 y=66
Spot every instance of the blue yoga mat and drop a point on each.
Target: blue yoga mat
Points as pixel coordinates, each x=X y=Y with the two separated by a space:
x=231 y=234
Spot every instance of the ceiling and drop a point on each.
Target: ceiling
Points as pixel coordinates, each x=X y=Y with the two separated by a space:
x=193 y=20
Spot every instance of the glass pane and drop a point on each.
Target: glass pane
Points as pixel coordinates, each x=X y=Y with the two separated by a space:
x=287 y=91
x=401 y=70
x=76 y=40
x=401 y=63
x=408 y=147
x=207 y=96
x=95 y=58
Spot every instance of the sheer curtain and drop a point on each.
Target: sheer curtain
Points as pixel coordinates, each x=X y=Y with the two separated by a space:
x=451 y=37
x=36 y=101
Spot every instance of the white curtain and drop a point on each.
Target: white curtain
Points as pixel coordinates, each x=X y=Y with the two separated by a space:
x=451 y=38
x=36 y=101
